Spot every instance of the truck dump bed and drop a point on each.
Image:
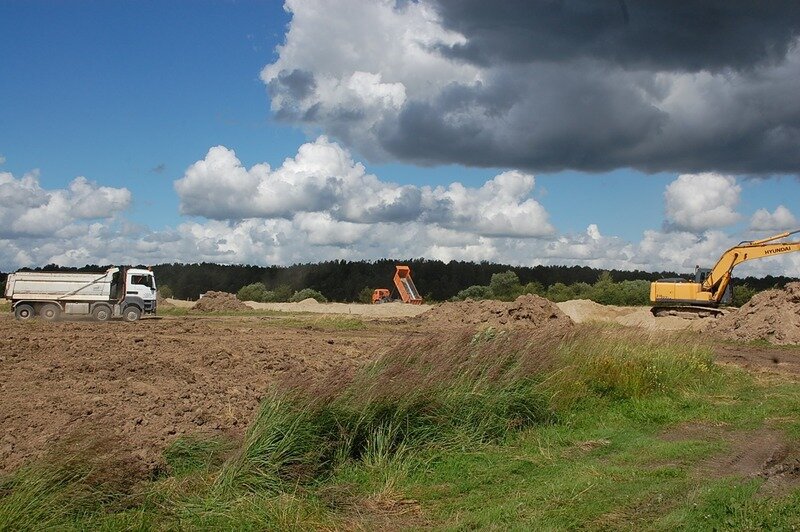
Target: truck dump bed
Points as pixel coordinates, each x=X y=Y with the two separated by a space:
x=405 y=286
x=52 y=286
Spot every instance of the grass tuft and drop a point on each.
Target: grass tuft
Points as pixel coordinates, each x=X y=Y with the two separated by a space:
x=190 y=455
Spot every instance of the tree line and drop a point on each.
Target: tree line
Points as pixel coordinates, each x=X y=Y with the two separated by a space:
x=345 y=281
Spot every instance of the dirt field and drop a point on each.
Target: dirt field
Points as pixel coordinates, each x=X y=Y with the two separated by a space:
x=148 y=383
x=154 y=380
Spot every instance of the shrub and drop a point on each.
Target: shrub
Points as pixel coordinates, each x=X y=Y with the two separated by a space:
x=505 y=286
x=475 y=292
x=742 y=294
x=253 y=292
x=165 y=291
x=365 y=295
x=534 y=287
x=281 y=294
x=306 y=293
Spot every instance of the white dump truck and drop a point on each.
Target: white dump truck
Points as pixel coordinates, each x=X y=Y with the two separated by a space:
x=126 y=293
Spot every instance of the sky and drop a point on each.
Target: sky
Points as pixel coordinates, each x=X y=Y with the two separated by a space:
x=607 y=133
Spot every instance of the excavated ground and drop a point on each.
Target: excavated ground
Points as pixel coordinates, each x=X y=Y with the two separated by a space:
x=773 y=315
x=764 y=453
x=152 y=381
x=148 y=383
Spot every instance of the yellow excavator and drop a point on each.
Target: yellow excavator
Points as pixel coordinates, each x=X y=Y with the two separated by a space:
x=712 y=286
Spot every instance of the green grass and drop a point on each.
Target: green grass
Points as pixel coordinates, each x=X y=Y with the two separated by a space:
x=499 y=430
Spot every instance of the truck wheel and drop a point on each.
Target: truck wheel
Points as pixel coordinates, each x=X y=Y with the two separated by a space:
x=50 y=312
x=24 y=312
x=131 y=313
x=101 y=313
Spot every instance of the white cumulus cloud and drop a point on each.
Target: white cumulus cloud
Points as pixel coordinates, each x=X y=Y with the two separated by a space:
x=781 y=219
x=323 y=179
x=28 y=209
x=698 y=202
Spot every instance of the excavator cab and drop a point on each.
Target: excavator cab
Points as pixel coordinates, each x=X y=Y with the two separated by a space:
x=700 y=274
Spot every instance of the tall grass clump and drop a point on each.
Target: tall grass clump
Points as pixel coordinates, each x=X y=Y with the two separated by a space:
x=284 y=442
x=79 y=477
x=470 y=388
x=620 y=363
x=428 y=393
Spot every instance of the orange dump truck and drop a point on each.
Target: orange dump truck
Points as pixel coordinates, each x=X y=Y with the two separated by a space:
x=405 y=287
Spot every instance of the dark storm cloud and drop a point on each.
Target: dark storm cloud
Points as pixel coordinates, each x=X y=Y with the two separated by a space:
x=656 y=34
x=590 y=85
x=552 y=117
x=574 y=120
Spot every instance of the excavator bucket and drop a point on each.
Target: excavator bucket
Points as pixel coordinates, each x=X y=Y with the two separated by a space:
x=405 y=286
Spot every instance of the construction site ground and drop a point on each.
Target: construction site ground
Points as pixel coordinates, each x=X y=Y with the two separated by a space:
x=150 y=382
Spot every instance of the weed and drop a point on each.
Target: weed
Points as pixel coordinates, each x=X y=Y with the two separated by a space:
x=192 y=455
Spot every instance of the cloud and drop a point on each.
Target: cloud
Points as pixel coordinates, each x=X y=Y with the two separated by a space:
x=781 y=219
x=690 y=36
x=323 y=179
x=548 y=86
x=2 y=159
x=311 y=237
x=358 y=216
x=28 y=209
x=698 y=202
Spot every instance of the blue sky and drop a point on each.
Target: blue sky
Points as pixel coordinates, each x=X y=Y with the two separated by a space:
x=131 y=95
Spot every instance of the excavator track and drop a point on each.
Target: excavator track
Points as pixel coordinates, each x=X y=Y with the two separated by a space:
x=688 y=311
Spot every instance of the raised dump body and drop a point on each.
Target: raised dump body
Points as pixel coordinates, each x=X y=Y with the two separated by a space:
x=405 y=286
x=127 y=294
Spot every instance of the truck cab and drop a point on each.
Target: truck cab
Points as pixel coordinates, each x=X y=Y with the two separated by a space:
x=140 y=288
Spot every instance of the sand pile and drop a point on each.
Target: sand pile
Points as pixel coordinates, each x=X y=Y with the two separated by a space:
x=581 y=310
x=162 y=302
x=773 y=315
x=526 y=311
x=215 y=301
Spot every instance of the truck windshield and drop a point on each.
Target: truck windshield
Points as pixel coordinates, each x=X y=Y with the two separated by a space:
x=146 y=280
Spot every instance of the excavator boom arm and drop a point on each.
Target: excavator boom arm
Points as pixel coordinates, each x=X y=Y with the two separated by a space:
x=719 y=277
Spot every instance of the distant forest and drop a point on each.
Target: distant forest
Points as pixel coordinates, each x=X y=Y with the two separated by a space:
x=344 y=280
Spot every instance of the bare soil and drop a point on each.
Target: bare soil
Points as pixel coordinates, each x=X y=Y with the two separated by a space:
x=152 y=381
x=765 y=453
x=583 y=310
x=773 y=315
x=384 y=310
x=759 y=358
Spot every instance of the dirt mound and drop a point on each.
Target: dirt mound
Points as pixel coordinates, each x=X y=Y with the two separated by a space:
x=215 y=301
x=773 y=315
x=526 y=311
